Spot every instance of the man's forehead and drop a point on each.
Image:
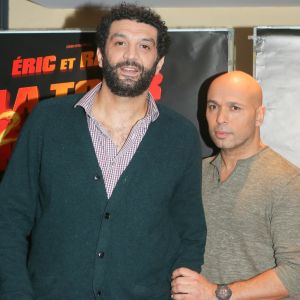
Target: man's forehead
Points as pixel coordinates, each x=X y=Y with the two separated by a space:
x=233 y=97
x=227 y=94
x=132 y=27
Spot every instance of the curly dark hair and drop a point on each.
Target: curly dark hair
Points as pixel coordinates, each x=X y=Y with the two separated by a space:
x=141 y=14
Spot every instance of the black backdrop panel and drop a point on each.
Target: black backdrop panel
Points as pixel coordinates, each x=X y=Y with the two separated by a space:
x=195 y=57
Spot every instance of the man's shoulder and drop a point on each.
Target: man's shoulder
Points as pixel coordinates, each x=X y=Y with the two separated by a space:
x=175 y=119
x=272 y=172
x=175 y=131
x=59 y=102
x=52 y=111
x=53 y=108
x=277 y=164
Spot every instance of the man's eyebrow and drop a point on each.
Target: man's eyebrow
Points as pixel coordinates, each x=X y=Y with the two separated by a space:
x=122 y=35
x=116 y=35
x=211 y=101
x=150 y=40
x=232 y=103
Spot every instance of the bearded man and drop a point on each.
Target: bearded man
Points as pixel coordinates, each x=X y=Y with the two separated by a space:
x=101 y=198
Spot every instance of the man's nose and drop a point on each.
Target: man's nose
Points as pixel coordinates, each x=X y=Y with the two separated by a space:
x=222 y=116
x=130 y=52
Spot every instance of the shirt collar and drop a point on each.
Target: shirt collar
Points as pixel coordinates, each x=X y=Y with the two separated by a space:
x=86 y=102
x=216 y=161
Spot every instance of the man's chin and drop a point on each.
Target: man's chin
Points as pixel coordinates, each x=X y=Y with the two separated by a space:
x=130 y=86
x=221 y=144
x=129 y=81
x=127 y=91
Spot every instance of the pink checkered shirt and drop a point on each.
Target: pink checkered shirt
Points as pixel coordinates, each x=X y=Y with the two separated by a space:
x=112 y=162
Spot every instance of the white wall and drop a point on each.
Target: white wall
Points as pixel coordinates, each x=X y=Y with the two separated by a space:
x=24 y=14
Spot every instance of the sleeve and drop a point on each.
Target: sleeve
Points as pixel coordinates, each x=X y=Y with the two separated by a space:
x=18 y=198
x=187 y=210
x=285 y=227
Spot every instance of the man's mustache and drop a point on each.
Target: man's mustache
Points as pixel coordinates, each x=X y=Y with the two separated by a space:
x=130 y=63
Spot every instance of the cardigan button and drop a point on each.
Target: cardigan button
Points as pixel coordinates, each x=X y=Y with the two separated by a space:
x=101 y=254
x=96 y=177
x=107 y=215
x=99 y=293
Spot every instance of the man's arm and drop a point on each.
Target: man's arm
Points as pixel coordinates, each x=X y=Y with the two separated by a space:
x=187 y=284
x=187 y=210
x=276 y=283
x=18 y=198
x=285 y=231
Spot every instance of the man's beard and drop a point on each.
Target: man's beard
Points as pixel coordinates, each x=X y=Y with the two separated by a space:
x=127 y=87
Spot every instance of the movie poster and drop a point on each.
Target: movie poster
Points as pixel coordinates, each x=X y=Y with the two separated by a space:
x=36 y=65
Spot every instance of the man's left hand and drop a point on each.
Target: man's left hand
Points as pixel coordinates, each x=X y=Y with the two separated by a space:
x=189 y=285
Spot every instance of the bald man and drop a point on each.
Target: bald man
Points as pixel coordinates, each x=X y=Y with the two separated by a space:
x=251 y=200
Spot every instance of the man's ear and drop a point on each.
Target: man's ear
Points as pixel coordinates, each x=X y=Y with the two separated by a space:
x=260 y=114
x=159 y=65
x=100 y=57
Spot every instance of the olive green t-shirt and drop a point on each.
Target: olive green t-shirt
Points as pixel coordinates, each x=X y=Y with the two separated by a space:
x=253 y=220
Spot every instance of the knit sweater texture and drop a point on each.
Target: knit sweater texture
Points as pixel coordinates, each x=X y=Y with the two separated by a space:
x=62 y=239
x=253 y=220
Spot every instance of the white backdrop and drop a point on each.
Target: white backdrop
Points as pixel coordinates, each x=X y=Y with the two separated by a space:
x=277 y=68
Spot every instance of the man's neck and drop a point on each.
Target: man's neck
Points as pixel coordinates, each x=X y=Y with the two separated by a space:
x=118 y=114
x=116 y=109
x=230 y=157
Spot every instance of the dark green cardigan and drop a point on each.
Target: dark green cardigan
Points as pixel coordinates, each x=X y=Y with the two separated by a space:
x=61 y=238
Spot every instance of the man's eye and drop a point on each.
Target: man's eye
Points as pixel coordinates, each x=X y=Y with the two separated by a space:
x=235 y=107
x=119 y=43
x=211 y=106
x=146 y=47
